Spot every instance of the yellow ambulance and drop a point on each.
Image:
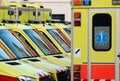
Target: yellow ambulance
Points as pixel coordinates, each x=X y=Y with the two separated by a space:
x=12 y=69
x=96 y=39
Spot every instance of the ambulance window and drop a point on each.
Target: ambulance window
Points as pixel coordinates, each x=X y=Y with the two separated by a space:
x=40 y=42
x=24 y=39
x=14 y=44
x=48 y=41
x=68 y=30
x=3 y=55
x=61 y=39
x=101 y=24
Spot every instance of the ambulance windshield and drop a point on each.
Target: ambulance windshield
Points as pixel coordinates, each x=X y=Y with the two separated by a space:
x=3 y=55
x=14 y=44
x=63 y=41
x=42 y=41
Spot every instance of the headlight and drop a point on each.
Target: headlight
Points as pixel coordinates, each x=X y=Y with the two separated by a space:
x=67 y=67
x=25 y=78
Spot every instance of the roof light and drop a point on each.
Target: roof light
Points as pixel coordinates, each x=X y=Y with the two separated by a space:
x=86 y=2
x=77 y=2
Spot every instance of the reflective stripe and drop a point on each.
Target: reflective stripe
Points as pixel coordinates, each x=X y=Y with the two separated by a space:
x=102 y=79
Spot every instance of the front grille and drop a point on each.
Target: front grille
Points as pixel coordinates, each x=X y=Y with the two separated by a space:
x=63 y=76
x=68 y=74
x=49 y=78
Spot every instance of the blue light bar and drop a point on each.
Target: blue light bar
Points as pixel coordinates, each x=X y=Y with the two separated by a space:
x=86 y=2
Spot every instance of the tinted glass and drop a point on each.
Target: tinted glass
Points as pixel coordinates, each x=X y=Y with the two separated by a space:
x=14 y=44
x=60 y=39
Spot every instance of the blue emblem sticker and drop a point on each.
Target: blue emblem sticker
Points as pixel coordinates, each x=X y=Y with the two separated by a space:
x=101 y=38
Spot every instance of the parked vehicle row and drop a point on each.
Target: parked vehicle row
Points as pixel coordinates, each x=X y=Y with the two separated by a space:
x=33 y=50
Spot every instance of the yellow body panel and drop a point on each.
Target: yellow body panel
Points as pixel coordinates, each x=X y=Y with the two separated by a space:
x=105 y=56
x=79 y=38
x=44 y=15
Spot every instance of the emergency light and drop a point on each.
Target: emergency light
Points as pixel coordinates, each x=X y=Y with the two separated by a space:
x=77 y=19
x=77 y=15
x=82 y=2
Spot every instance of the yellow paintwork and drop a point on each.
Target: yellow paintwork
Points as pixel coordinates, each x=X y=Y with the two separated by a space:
x=104 y=56
x=79 y=38
x=59 y=61
x=44 y=14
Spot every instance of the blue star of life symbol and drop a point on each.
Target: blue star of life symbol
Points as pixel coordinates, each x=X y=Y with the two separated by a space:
x=101 y=37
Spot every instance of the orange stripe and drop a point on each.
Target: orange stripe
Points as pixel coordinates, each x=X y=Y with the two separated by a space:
x=99 y=71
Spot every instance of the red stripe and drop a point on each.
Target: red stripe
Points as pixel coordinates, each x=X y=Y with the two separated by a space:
x=96 y=80
x=85 y=80
x=99 y=71
x=7 y=78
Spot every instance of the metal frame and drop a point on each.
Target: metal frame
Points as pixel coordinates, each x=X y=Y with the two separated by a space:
x=117 y=45
x=72 y=42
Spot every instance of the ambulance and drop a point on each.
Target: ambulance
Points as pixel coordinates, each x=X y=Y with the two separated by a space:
x=96 y=40
x=12 y=69
x=26 y=55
